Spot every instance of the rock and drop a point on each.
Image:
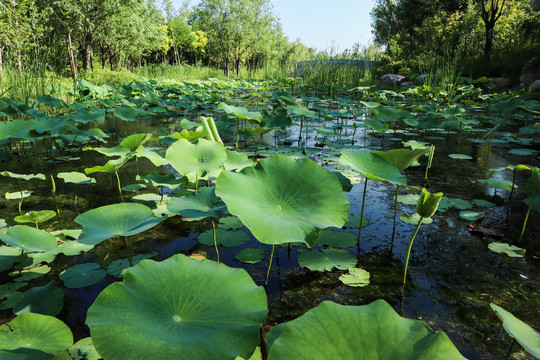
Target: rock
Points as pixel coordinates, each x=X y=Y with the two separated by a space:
x=530 y=71
x=392 y=79
x=407 y=84
x=535 y=85
x=500 y=83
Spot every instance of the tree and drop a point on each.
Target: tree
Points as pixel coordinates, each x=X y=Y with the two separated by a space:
x=491 y=11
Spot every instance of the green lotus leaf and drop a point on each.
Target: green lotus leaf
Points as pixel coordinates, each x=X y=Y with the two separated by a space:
x=45 y=300
x=414 y=219
x=408 y=199
x=23 y=176
x=17 y=194
x=353 y=222
x=37 y=258
x=303 y=111
x=86 y=116
x=471 y=215
x=3 y=223
x=240 y=112
x=133 y=142
x=82 y=349
x=483 y=203
x=498 y=183
x=40 y=337
x=9 y=296
x=109 y=167
x=324 y=132
x=522 y=152
x=30 y=274
x=154 y=157
x=525 y=335
x=168 y=180
x=35 y=216
x=230 y=223
x=373 y=167
x=118 y=267
x=224 y=238
x=374 y=331
x=415 y=145
x=186 y=124
x=110 y=152
x=50 y=125
x=72 y=248
x=201 y=157
x=76 y=178
x=376 y=125
x=51 y=101
x=282 y=200
x=345 y=182
x=460 y=204
x=197 y=206
x=127 y=113
x=29 y=239
x=460 y=156
x=133 y=187
x=8 y=256
x=355 y=278
x=327 y=260
x=124 y=219
x=237 y=161
x=519 y=167
x=250 y=255
x=82 y=275
x=339 y=239
x=385 y=113
x=179 y=308
x=402 y=158
x=504 y=248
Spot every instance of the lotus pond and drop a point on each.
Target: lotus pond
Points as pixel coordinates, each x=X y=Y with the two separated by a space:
x=221 y=219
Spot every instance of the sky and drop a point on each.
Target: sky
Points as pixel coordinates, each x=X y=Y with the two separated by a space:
x=322 y=24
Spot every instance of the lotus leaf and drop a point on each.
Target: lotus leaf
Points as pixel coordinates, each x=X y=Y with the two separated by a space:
x=224 y=238
x=35 y=216
x=237 y=161
x=199 y=205
x=283 y=200
x=522 y=152
x=45 y=300
x=353 y=222
x=373 y=167
x=376 y=125
x=104 y=222
x=250 y=256
x=17 y=195
x=339 y=239
x=230 y=223
x=167 y=180
x=82 y=275
x=29 y=274
x=402 y=158
x=414 y=219
x=133 y=187
x=118 y=267
x=471 y=215
x=82 y=349
x=460 y=156
x=240 y=112
x=179 y=308
x=202 y=157
x=9 y=296
x=504 y=248
x=29 y=239
x=8 y=256
x=40 y=337
x=76 y=178
x=374 y=331
x=303 y=111
x=128 y=113
x=355 y=278
x=327 y=260
x=483 y=203
x=498 y=183
x=23 y=176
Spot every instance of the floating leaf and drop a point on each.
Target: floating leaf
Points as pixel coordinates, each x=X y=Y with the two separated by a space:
x=483 y=203
x=72 y=248
x=199 y=309
x=224 y=238
x=230 y=223
x=45 y=300
x=504 y=248
x=118 y=267
x=8 y=256
x=197 y=206
x=471 y=215
x=327 y=259
x=30 y=274
x=82 y=275
x=414 y=219
x=82 y=349
x=168 y=180
x=460 y=156
x=133 y=187
x=373 y=331
x=9 y=296
x=338 y=239
x=356 y=278
x=250 y=256
x=408 y=199
x=522 y=152
x=353 y=222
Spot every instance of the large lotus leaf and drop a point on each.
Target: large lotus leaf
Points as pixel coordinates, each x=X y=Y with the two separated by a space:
x=76 y=178
x=167 y=180
x=40 y=337
x=374 y=331
x=82 y=350
x=72 y=248
x=240 y=112
x=15 y=129
x=373 y=167
x=376 y=125
x=401 y=158
x=104 y=222
x=29 y=239
x=45 y=300
x=82 y=275
x=23 y=176
x=283 y=200
x=9 y=296
x=199 y=205
x=48 y=124
x=327 y=259
x=237 y=161
x=154 y=157
x=353 y=222
x=128 y=113
x=385 y=113
x=201 y=157
x=86 y=116
x=179 y=308
x=525 y=335
x=224 y=238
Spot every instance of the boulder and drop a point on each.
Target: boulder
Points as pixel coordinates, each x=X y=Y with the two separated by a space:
x=535 y=86
x=392 y=79
x=500 y=83
x=530 y=71
x=407 y=84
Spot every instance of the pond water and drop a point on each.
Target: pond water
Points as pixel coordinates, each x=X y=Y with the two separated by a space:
x=453 y=276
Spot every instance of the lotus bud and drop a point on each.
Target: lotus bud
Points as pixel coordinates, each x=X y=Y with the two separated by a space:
x=428 y=203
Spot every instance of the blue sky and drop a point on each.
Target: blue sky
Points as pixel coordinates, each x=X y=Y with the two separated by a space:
x=323 y=24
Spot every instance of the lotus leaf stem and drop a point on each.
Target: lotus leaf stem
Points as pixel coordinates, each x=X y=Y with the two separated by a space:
x=362 y=211
x=511 y=348
x=395 y=213
x=269 y=265
x=215 y=242
x=512 y=190
x=119 y=186
x=527 y=217
x=22 y=197
x=409 y=250
x=128 y=250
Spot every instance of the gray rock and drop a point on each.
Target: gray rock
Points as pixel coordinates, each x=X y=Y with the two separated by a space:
x=535 y=86
x=407 y=84
x=500 y=83
x=530 y=71
x=392 y=79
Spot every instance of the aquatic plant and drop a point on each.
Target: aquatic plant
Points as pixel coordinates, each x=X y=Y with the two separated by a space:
x=533 y=187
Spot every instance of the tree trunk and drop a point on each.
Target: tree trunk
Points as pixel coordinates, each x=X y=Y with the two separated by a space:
x=87 y=52
x=70 y=54
x=227 y=68
x=103 y=56
x=111 y=58
x=238 y=68
x=92 y=59
x=1 y=60
x=18 y=47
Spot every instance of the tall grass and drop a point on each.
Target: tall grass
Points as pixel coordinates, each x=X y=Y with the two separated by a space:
x=29 y=84
x=441 y=71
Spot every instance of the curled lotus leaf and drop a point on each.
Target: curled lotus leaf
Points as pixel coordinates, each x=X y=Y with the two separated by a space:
x=373 y=167
x=179 y=308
